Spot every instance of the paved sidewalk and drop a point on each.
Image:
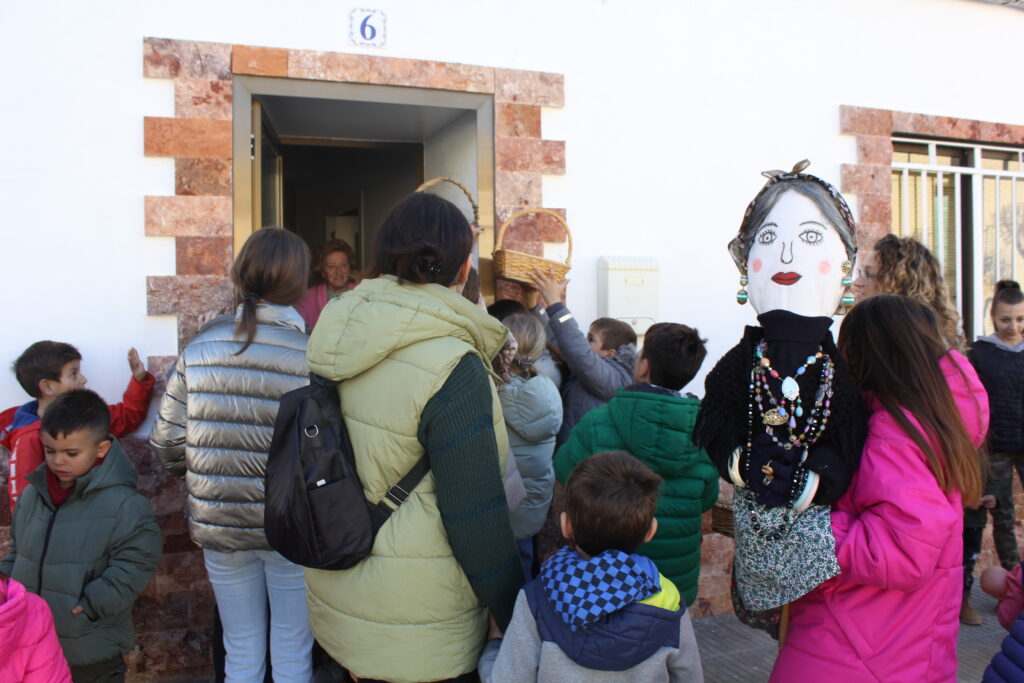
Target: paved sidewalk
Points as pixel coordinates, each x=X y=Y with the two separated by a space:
x=733 y=652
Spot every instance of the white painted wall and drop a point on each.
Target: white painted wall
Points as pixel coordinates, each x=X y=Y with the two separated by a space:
x=672 y=110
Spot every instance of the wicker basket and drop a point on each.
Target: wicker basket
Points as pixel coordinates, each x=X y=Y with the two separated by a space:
x=472 y=201
x=516 y=265
x=722 y=520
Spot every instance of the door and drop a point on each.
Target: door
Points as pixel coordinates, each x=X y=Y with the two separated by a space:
x=267 y=171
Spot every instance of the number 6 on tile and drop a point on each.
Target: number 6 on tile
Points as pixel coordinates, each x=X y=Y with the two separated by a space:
x=368 y=28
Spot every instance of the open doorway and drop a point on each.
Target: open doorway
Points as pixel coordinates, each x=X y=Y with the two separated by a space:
x=330 y=160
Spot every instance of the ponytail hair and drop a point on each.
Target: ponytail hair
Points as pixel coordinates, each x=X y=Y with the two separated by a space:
x=272 y=265
x=530 y=336
x=425 y=240
x=1007 y=292
x=892 y=345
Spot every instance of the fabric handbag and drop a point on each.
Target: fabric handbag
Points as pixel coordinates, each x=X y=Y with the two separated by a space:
x=316 y=514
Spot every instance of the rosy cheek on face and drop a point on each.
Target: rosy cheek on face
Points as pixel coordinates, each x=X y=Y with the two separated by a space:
x=756 y=265
x=825 y=267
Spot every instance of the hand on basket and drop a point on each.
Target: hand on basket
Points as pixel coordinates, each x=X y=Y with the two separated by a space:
x=552 y=290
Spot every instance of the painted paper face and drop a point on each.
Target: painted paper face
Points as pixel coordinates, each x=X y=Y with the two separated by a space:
x=795 y=262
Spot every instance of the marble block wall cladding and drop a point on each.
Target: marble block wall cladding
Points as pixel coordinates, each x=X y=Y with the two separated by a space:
x=870 y=178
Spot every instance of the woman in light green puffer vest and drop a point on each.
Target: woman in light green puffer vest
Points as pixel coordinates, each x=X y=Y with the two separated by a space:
x=412 y=357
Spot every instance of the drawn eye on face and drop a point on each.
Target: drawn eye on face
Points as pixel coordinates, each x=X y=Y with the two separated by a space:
x=811 y=236
x=766 y=236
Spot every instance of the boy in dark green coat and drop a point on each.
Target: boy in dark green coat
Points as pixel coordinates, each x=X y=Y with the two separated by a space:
x=83 y=538
x=653 y=422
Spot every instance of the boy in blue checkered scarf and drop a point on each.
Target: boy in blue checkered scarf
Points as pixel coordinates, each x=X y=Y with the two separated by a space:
x=598 y=611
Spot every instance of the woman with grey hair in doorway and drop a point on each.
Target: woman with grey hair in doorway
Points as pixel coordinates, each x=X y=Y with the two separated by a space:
x=332 y=276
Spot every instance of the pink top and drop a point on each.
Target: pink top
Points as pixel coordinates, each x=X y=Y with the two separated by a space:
x=29 y=649
x=1011 y=604
x=314 y=301
x=893 y=613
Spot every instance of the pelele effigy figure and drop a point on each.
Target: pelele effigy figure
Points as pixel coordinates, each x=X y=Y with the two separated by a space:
x=780 y=418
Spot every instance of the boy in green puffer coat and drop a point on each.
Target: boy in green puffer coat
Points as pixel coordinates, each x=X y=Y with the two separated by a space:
x=83 y=538
x=654 y=423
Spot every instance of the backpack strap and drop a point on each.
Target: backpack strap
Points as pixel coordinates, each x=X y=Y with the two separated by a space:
x=396 y=493
x=399 y=493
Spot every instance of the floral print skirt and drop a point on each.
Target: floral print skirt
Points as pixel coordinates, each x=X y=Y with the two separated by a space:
x=781 y=554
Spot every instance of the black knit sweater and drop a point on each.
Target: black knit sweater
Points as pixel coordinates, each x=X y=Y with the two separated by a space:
x=722 y=421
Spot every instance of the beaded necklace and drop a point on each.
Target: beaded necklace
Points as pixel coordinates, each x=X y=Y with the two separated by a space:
x=773 y=413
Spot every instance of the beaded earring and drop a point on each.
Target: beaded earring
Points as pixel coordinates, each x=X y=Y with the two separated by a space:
x=847 y=282
x=741 y=296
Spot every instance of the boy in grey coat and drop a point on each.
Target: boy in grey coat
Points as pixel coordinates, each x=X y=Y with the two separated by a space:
x=83 y=538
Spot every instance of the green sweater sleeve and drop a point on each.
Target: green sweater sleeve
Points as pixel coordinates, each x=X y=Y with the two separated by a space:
x=457 y=432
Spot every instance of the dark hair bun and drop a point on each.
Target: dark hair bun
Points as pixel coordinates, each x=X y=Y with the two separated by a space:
x=425 y=239
x=1007 y=284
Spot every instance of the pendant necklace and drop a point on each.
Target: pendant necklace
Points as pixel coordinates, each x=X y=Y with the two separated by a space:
x=790 y=388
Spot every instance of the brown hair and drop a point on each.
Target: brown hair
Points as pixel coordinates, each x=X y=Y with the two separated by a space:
x=906 y=267
x=674 y=353
x=42 y=360
x=614 y=333
x=610 y=500
x=471 y=288
x=272 y=265
x=531 y=340
x=326 y=249
x=1006 y=292
x=75 y=410
x=892 y=346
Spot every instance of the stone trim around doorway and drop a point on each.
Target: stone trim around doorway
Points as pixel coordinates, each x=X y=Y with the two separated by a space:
x=874 y=129
x=198 y=136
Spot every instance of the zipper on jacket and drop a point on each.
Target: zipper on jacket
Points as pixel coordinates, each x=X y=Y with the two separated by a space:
x=46 y=547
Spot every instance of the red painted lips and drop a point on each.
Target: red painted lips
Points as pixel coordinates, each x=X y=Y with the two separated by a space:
x=786 y=278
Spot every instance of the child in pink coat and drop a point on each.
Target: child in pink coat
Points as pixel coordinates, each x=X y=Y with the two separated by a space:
x=892 y=613
x=29 y=649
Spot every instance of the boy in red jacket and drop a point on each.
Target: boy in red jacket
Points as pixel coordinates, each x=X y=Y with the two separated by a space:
x=45 y=371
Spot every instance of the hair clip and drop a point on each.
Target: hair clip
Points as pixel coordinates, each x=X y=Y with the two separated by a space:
x=432 y=268
x=250 y=296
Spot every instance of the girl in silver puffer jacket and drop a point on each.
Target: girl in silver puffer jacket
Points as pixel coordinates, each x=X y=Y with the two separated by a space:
x=214 y=428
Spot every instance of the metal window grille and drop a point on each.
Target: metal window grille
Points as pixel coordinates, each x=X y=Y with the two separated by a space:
x=966 y=203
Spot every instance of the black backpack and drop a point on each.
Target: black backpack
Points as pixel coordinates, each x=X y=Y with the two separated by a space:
x=316 y=514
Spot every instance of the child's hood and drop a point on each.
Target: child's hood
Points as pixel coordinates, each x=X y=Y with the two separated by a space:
x=658 y=429
x=25 y=415
x=117 y=470
x=532 y=408
x=629 y=610
x=17 y=418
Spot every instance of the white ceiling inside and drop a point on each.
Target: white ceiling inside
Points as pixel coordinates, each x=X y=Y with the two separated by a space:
x=353 y=120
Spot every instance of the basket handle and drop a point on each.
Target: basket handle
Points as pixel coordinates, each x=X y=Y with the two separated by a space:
x=445 y=179
x=546 y=212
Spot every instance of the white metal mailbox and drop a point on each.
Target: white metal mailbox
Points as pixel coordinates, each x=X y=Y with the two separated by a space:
x=627 y=289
